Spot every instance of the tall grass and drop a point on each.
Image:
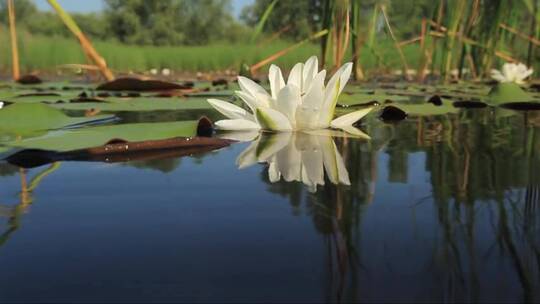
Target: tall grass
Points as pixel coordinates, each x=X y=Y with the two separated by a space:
x=46 y=53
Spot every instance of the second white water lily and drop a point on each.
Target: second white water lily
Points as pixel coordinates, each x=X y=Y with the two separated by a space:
x=512 y=72
x=304 y=102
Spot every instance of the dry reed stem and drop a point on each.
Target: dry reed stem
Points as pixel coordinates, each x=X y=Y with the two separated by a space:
x=531 y=39
x=411 y=41
x=253 y=69
x=14 y=48
x=87 y=46
x=346 y=42
x=274 y=36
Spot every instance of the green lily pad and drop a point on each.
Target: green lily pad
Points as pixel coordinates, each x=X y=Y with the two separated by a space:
x=427 y=109
x=139 y=104
x=76 y=139
x=359 y=99
x=25 y=118
x=506 y=93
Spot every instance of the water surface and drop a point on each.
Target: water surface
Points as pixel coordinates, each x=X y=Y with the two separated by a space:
x=438 y=209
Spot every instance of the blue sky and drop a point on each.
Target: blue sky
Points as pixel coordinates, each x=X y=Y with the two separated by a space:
x=97 y=5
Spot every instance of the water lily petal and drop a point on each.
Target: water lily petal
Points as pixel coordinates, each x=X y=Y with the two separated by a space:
x=527 y=73
x=307 y=115
x=497 y=75
x=241 y=136
x=273 y=120
x=275 y=77
x=252 y=102
x=230 y=110
x=334 y=88
x=249 y=86
x=236 y=125
x=346 y=71
x=295 y=76
x=309 y=72
x=288 y=101
x=349 y=119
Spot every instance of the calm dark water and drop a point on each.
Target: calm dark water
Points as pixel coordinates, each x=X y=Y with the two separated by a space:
x=439 y=209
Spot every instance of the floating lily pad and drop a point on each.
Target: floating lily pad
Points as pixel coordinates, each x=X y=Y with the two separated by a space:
x=134 y=84
x=22 y=118
x=29 y=79
x=506 y=93
x=435 y=106
x=122 y=152
x=361 y=99
x=391 y=113
x=470 y=104
x=139 y=104
x=76 y=139
x=522 y=106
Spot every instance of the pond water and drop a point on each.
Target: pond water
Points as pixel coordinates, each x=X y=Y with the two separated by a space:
x=438 y=209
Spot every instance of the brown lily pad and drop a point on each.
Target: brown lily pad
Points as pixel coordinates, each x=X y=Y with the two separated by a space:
x=119 y=151
x=522 y=106
x=391 y=113
x=29 y=79
x=134 y=84
x=469 y=104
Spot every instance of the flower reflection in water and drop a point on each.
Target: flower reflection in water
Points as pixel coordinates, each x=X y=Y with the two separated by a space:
x=297 y=156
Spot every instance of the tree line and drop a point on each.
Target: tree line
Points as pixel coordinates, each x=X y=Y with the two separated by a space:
x=196 y=22
x=140 y=22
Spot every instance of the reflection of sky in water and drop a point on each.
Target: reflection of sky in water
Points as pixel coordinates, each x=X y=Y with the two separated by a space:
x=197 y=228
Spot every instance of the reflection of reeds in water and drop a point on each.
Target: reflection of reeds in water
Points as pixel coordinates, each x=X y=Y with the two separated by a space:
x=476 y=171
x=485 y=186
x=15 y=213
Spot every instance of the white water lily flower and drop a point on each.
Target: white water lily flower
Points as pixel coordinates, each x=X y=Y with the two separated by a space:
x=512 y=72
x=304 y=102
x=297 y=157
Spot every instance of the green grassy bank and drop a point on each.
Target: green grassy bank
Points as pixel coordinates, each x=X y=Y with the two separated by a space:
x=45 y=53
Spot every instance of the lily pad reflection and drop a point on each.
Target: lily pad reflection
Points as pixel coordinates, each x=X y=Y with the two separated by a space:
x=297 y=157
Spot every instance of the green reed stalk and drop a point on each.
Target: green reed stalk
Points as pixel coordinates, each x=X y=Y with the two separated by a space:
x=357 y=39
x=326 y=24
x=488 y=31
x=260 y=26
x=534 y=31
x=429 y=52
x=396 y=43
x=452 y=35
